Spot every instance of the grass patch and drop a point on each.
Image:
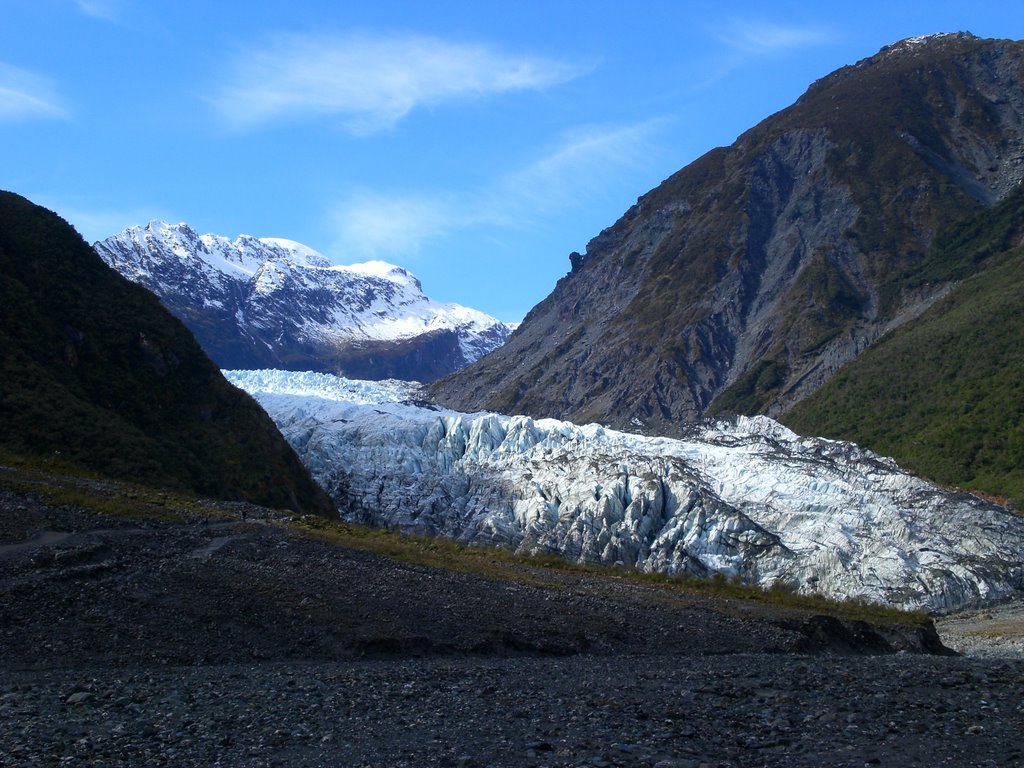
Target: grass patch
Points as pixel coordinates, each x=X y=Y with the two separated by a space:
x=435 y=552
x=753 y=391
x=549 y=571
x=999 y=632
x=86 y=490
x=781 y=595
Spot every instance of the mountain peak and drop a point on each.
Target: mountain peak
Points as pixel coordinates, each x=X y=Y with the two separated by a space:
x=920 y=46
x=300 y=253
x=924 y=41
x=161 y=228
x=276 y=303
x=908 y=52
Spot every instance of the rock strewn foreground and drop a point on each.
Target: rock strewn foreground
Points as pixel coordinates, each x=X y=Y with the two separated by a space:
x=82 y=590
x=240 y=644
x=670 y=712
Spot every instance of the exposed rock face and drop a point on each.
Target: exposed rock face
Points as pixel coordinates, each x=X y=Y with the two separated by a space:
x=255 y=303
x=748 y=499
x=743 y=282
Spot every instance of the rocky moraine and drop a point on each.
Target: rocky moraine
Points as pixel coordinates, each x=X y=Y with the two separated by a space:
x=212 y=640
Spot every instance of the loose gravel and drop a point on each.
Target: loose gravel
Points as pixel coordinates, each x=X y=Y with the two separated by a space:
x=237 y=643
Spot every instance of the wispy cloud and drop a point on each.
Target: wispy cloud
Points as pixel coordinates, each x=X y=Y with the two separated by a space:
x=583 y=165
x=371 y=83
x=586 y=162
x=28 y=95
x=758 y=36
x=108 y=10
x=745 y=41
x=371 y=225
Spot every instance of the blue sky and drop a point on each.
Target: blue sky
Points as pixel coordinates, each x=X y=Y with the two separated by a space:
x=474 y=143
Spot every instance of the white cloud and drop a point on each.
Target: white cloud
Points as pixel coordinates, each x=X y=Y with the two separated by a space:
x=371 y=83
x=370 y=225
x=757 y=37
x=108 y=10
x=27 y=95
x=585 y=164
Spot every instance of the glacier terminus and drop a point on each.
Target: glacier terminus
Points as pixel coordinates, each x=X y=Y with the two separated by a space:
x=746 y=498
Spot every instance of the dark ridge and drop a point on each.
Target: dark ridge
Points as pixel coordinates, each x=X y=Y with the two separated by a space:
x=95 y=373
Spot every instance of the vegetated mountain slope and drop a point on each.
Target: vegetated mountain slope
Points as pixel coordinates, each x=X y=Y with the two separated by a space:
x=746 y=280
x=95 y=372
x=747 y=499
x=944 y=394
x=271 y=303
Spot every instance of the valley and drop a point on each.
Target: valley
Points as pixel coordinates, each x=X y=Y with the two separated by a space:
x=744 y=499
x=743 y=490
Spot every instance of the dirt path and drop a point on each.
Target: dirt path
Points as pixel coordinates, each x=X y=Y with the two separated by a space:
x=67 y=540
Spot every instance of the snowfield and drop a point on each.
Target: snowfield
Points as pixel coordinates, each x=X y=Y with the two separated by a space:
x=747 y=498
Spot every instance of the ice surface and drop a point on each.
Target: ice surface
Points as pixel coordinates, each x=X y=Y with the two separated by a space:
x=747 y=498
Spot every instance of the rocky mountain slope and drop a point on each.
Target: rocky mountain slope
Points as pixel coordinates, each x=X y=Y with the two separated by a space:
x=749 y=499
x=94 y=372
x=271 y=303
x=944 y=394
x=747 y=279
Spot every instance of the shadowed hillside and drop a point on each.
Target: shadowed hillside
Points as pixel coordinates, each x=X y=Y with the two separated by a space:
x=95 y=373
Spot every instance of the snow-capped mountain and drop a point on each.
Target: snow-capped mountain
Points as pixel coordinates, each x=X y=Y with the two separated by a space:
x=267 y=302
x=747 y=498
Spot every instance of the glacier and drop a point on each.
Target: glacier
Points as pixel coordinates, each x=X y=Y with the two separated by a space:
x=746 y=498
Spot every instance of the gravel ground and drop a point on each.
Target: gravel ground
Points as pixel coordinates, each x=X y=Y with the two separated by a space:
x=995 y=631
x=236 y=643
x=734 y=710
